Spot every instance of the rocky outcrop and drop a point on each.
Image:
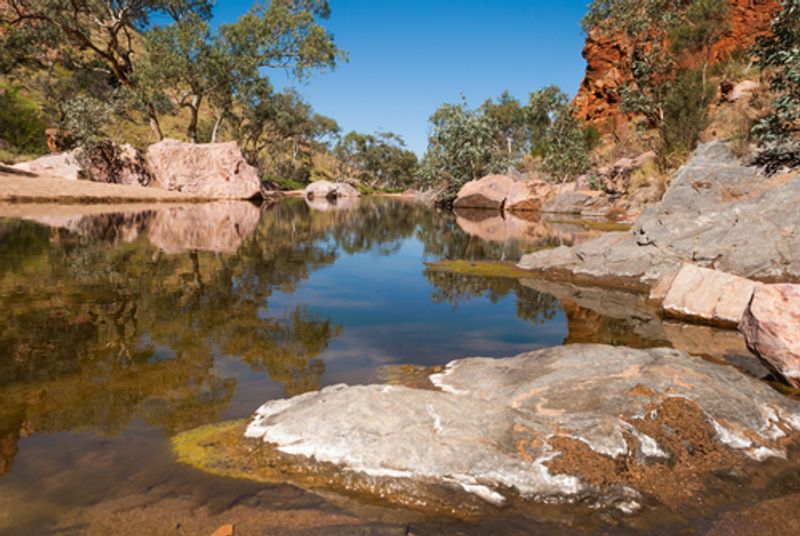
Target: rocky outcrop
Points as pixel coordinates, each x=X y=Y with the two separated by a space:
x=717 y=213
x=708 y=296
x=501 y=192
x=617 y=427
x=209 y=170
x=771 y=326
x=63 y=165
x=608 y=66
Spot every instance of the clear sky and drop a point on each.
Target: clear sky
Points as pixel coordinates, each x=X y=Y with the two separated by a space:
x=409 y=56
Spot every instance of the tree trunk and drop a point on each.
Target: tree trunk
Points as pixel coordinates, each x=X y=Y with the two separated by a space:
x=215 y=130
x=154 y=124
x=194 y=107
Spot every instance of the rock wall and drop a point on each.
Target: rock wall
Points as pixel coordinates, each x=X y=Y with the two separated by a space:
x=608 y=66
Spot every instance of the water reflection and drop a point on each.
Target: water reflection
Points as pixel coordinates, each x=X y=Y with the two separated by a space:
x=115 y=316
x=528 y=228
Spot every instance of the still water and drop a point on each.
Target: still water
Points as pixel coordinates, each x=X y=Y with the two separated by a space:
x=124 y=326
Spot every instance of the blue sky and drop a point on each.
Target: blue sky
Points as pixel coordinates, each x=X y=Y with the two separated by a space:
x=409 y=56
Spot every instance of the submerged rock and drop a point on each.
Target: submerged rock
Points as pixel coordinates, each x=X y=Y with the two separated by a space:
x=771 y=326
x=717 y=213
x=613 y=426
x=208 y=170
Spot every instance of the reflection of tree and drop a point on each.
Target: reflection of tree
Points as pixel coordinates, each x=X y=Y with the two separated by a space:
x=452 y=288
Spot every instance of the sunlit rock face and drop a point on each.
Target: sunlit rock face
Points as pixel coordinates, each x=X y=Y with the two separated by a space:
x=64 y=165
x=207 y=170
x=614 y=426
x=501 y=192
x=771 y=326
x=219 y=227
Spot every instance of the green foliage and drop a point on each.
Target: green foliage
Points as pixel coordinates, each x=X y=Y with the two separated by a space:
x=566 y=154
x=542 y=106
x=21 y=123
x=779 y=54
x=380 y=160
x=685 y=118
x=461 y=147
x=661 y=32
x=510 y=118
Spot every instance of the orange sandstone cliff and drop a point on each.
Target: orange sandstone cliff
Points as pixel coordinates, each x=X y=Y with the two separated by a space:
x=608 y=65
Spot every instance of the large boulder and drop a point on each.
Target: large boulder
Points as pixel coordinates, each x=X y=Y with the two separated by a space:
x=771 y=327
x=207 y=170
x=501 y=192
x=616 y=427
x=63 y=165
x=717 y=212
x=330 y=190
x=708 y=296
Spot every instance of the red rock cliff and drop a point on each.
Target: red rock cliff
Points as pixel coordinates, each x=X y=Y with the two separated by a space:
x=608 y=66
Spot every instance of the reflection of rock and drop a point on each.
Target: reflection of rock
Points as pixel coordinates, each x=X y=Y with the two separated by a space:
x=211 y=170
x=622 y=427
x=526 y=227
x=772 y=328
x=330 y=190
x=337 y=203
x=219 y=227
x=9 y=439
x=717 y=213
x=501 y=192
x=720 y=344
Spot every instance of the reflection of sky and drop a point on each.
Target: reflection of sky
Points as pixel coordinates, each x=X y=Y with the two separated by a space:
x=385 y=306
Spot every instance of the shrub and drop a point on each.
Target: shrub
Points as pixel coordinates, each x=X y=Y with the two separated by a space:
x=685 y=118
x=21 y=123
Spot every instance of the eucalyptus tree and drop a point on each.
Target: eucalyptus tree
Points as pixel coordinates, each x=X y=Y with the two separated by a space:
x=461 y=147
x=93 y=35
x=779 y=55
x=379 y=160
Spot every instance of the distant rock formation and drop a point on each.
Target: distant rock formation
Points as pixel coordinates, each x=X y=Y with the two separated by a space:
x=608 y=65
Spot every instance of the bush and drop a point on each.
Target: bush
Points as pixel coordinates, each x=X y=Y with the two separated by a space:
x=567 y=155
x=685 y=118
x=21 y=123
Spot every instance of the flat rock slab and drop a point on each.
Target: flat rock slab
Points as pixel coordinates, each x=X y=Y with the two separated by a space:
x=708 y=296
x=614 y=426
x=771 y=326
